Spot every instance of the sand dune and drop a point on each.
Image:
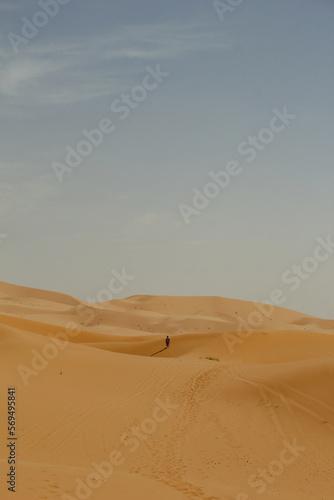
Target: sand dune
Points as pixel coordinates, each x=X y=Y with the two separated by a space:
x=231 y=410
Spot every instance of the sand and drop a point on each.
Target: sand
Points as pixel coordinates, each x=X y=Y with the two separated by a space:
x=240 y=406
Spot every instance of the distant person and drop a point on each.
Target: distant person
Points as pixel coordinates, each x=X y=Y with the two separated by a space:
x=167 y=341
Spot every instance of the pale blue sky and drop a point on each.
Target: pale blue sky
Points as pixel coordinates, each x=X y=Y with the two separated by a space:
x=120 y=207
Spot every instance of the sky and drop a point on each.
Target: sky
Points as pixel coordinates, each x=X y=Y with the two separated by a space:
x=169 y=148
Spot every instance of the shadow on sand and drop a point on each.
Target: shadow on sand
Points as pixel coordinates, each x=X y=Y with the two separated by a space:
x=158 y=352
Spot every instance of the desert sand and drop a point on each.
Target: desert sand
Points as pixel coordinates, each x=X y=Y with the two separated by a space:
x=240 y=406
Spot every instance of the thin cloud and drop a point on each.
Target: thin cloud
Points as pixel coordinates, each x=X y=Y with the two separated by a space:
x=94 y=66
x=22 y=74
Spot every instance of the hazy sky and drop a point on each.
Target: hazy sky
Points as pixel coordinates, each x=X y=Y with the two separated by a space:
x=180 y=89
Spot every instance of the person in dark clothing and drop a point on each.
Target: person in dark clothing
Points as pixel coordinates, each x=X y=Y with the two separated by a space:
x=167 y=341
